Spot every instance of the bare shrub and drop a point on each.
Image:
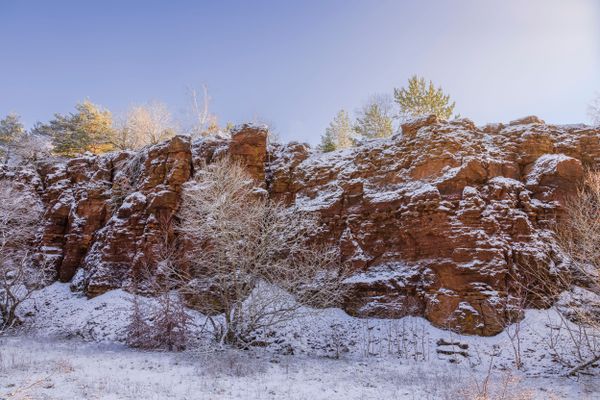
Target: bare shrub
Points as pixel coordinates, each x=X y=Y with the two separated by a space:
x=20 y=214
x=579 y=238
x=569 y=290
x=594 y=110
x=579 y=234
x=505 y=387
x=572 y=337
x=163 y=326
x=513 y=310
x=249 y=259
x=139 y=331
x=163 y=322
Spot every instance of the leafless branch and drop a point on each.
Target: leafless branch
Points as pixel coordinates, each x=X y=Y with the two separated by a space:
x=248 y=258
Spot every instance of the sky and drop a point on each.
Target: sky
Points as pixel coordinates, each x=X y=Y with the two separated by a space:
x=294 y=64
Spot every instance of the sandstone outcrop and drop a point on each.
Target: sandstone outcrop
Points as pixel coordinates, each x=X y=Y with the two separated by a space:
x=437 y=222
x=107 y=217
x=433 y=222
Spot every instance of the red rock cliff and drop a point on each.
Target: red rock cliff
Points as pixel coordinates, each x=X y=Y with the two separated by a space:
x=433 y=222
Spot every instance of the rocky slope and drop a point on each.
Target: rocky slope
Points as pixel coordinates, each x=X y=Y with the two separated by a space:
x=437 y=221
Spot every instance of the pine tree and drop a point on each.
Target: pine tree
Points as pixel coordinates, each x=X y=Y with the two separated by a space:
x=421 y=99
x=88 y=129
x=338 y=134
x=327 y=142
x=373 y=122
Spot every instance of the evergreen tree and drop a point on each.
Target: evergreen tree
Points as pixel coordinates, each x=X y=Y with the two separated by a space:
x=421 y=99
x=88 y=129
x=327 y=142
x=338 y=134
x=373 y=122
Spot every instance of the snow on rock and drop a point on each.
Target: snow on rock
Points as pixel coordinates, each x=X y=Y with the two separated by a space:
x=458 y=204
x=59 y=312
x=547 y=165
x=447 y=198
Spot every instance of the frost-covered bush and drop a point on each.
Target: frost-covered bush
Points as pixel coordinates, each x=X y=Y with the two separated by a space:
x=249 y=260
x=20 y=214
x=572 y=293
x=165 y=326
x=579 y=238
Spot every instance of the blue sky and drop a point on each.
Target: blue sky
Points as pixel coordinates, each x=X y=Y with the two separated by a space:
x=294 y=64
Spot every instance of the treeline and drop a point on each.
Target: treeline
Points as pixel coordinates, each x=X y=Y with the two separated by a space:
x=92 y=128
x=376 y=119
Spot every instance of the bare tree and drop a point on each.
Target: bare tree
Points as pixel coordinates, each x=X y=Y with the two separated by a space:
x=579 y=238
x=20 y=214
x=143 y=125
x=579 y=234
x=33 y=146
x=249 y=259
x=594 y=110
x=569 y=290
x=204 y=123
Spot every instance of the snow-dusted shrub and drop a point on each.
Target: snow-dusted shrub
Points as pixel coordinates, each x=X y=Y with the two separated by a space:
x=338 y=340
x=579 y=238
x=171 y=323
x=594 y=110
x=139 y=330
x=505 y=387
x=570 y=292
x=165 y=326
x=20 y=214
x=250 y=260
x=162 y=323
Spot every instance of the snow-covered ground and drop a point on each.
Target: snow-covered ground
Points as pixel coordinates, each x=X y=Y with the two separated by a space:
x=74 y=350
x=44 y=369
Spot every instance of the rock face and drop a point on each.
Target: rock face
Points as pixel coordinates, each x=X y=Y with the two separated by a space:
x=108 y=216
x=148 y=186
x=437 y=222
x=433 y=222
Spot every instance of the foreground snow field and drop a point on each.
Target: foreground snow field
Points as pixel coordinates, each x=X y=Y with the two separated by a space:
x=44 y=369
x=73 y=350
